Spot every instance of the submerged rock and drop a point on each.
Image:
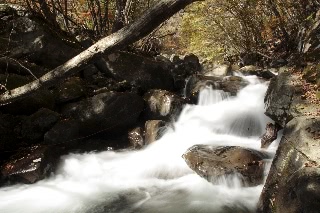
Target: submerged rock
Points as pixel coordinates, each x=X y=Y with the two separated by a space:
x=212 y=162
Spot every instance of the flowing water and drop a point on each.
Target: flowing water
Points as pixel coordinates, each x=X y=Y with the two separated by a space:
x=156 y=179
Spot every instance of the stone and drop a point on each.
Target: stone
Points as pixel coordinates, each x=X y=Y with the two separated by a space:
x=163 y=105
x=293 y=181
x=36 y=125
x=154 y=129
x=219 y=71
x=142 y=72
x=43 y=98
x=35 y=41
x=63 y=132
x=30 y=165
x=212 y=162
x=71 y=89
x=270 y=135
x=136 y=138
x=110 y=112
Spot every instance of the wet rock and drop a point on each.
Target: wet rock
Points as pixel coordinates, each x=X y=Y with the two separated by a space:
x=136 y=138
x=30 y=165
x=232 y=84
x=34 y=41
x=229 y=84
x=253 y=70
x=293 y=181
x=219 y=71
x=211 y=162
x=111 y=112
x=71 y=89
x=43 y=98
x=144 y=73
x=162 y=104
x=198 y=82
x=36 y=125
x=154 y=129
x=270 y=135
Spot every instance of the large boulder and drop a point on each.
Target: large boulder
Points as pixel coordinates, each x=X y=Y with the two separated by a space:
x=36 y=125
x=293 y=181
x=211 y=162
x=143 y=73
x=29 y=38
x=110 y=112
x=162 y=104
x=30 y=165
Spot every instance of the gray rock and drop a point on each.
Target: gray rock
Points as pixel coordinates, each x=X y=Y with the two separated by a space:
x=293 y=182
x=211 y=162
x=110 y=112
x=162 y=104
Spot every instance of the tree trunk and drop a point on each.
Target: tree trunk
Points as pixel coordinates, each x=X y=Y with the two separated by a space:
x=127 y=35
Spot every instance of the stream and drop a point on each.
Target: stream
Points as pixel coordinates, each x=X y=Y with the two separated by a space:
x=156 y=179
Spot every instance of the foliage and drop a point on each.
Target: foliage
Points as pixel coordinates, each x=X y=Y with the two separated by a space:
x=235 y=26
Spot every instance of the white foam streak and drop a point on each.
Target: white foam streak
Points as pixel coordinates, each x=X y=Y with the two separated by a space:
x=155 y=179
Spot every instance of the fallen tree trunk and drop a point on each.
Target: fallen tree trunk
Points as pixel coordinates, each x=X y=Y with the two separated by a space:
x=137 y=30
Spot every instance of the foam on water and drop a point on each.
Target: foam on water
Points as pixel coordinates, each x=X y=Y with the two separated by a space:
x=155 y=179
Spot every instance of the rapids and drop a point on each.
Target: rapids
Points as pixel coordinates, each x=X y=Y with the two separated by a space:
x=156 y=179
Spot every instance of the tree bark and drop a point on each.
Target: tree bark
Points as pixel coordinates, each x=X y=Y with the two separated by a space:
x=129 y=34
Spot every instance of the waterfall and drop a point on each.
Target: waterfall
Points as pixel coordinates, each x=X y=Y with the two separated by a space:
x=155 y=179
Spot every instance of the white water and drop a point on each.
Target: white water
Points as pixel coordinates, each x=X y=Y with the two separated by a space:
x=156 y=179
